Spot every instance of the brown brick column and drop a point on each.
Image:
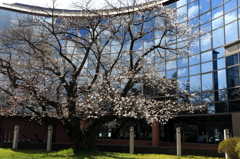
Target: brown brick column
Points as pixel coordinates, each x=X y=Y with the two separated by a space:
x=155 y=134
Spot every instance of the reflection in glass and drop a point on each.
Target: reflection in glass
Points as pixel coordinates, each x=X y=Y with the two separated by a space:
x=183 y=13
x=232 y=77
x=207 y=82
x=218 y=37
x=181 y=3
x=217 y=12
x=194 y=69
x=207 y=56
x=217 y=23
x=210 y=109
x=171 y=64
x=193 y=9
x=221 y=107
x=234 y=106
x=230 y=16
x=195 y=83
x=5 y=13
x=221 y=95
x=229 y=6
x=217 y=53
x=233 y=94
x=206 y=67
x=220 y=79
x=195 y=47
x=206 y=42
x=207 y=97
x=171 y=74
x=216 y=3
x=205 y=17
x=194 y=59
x=232 y=60
x=204 y=6
x=194 y=21
x=160 y=66
x=231 y=28
x=206 y=27
x=183 y=83
x=183 y=62
x=183 y=72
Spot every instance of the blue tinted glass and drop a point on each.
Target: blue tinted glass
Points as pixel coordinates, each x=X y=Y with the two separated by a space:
x=207 y=82
x=195 y=47
x=183 y=13
x=218 y=64
x=194 y=21
x=183 y=83
x=171 y=74
x=217 y=53
x=194 y=70
x=207 y=56
x=137 y=46
x=183 y=62
x=183 y=72
x=231 y=16
x=206 y=27
x=232 y=77
x=220 y=79
x=232 y=60
x=217 y=23
x=229 y=6
x=229 y=30
x=217 y=12
x=193 y=9
x=205 y=17
x=171 y=64
x=216 y=3
x=204 y=6
x=206 y=42
x=194 y=59
x=206 y=67
x=181 y=3
x=195 y=83
x=160 y=66
x=218 y=37
x=5 y=13
x=4 y=22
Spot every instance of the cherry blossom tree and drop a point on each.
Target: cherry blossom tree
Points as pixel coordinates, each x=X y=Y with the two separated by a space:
x=94 y=66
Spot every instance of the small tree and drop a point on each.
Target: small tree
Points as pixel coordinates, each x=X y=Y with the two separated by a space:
x=62 y=68
x=229 y=146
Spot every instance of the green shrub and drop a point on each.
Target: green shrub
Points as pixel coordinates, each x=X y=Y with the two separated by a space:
x=229 y=147
x=238 y=148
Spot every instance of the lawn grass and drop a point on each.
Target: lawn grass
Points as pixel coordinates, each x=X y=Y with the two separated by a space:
x=68 y=154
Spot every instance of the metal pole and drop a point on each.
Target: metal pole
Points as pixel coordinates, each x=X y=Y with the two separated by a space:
x=49 y=139
x=226 y=136
x=178 y=138
x=131 y=146
x=15 y=137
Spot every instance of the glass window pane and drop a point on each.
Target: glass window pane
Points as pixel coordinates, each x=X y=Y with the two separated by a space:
x=207 y=82
x=206 y=27
x=218 y=64
x=210 y=109
x=205 y=17
x=217 y=23
x=229 y=30
x=221 y=107
x=234 y=106
x=183 y=13
x=181 y=3
x=216 y=3
x=207 y=56
x=195 y=84
x=204 y=6
x=229 y=6
x=217 y=12
x=171 y=74
x=217 y=53
x=218 y=37
x=182 y=72
x=206 y=67
x=183 y=62
x=183 y=83
x=171 y=64
x=193 y=9
x=233 y=94
x=232 y=77
x=232 y=60
x=194 y=70
x=220 y=79
x=194 y=21
x=230 y=16
x=221 y=95
x=206 y=42
x=194 y=59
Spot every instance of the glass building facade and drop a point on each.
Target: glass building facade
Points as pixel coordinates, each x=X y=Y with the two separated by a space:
x=212 y=72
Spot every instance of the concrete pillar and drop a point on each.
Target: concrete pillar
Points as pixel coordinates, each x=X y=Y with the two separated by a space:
x=49 y=138
x=15 y=137
x=226 y=136
x=131 y=142
x=178 y=138
x=155 y=134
